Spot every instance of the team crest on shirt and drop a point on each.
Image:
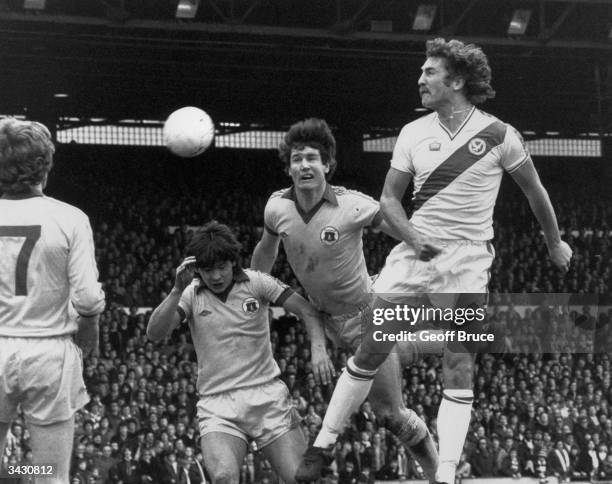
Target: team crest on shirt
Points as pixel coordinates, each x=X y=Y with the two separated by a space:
x=330 y=235
x=435 y=146
x=477 y=146
x=250 y=305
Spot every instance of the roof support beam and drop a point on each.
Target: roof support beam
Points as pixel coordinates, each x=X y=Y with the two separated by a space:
x=394 y=40
x=449 y=30
x=548 y=33
x=220 y=12
x=253 y=6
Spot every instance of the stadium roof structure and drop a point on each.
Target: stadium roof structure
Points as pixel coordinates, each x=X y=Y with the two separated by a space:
x=354 y=62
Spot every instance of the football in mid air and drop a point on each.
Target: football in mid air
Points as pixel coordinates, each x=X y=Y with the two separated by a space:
x=188 y=132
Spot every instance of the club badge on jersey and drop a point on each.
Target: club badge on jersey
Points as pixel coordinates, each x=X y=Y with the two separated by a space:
x=250 y=305
x=329 y=235
x=477 y=146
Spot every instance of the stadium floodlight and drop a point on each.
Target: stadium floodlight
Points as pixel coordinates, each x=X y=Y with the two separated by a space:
x=424 y=17
x=187 y=8
x=34 y=4
x=519 y=22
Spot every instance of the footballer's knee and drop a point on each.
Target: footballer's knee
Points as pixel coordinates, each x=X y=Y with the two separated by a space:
x=368 y=361
x=410 y=352
x=458 y=370
x=382 y=408
x=225 y=476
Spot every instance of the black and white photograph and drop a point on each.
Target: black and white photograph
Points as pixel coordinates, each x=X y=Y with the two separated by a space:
x=290 y=241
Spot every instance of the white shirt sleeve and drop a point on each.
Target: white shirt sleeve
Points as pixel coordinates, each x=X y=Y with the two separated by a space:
x=86 y=292
x=402 y=151
x=271 y=217
x=186 y=301
x=266 y=287
x=513 y=150
x=365 y=209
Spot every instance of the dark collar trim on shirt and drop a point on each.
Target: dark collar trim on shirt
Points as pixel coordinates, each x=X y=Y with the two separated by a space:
x=328 y=196
x=240 y=275
x=222 y=296
x=20 y=196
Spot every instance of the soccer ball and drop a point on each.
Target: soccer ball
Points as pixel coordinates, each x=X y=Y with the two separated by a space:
x=188 y=132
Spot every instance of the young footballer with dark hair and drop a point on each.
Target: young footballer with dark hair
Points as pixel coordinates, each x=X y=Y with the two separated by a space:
x=241 y=396
x=321 y=227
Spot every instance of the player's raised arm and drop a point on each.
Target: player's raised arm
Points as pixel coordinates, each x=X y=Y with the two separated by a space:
x=396 y=184
x=322 y=366
x=528 y=179
x=166 y=316
x=265 y=252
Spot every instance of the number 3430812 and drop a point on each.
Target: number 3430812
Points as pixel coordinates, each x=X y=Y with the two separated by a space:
x=42 y=470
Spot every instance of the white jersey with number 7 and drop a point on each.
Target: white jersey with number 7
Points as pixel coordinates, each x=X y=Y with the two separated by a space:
x=47 y=262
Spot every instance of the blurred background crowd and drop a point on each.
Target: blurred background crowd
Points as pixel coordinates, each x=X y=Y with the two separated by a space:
x=544 y=408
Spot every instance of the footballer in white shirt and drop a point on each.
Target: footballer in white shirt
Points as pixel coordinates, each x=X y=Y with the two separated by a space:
x=50 y=297
x=456 y=157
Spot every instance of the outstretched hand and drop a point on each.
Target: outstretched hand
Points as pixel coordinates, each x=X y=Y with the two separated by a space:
x=185 y=273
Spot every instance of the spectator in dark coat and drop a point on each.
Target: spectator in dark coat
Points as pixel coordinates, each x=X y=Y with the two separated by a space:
x=147 y=469
x=170 y=472
x=347 y=474
x=588 y=461
x=559 y=461
x=103 y=462
x=124 y=471
x=511 y=466
x=389 y=472
x=483 y=461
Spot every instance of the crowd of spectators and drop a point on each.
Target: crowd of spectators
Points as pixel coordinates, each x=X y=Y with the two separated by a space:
x=543 y=408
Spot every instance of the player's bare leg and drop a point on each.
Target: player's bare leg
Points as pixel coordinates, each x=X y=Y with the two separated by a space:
x=223 y=455
x=455 y=411
x=286 y=452
x=351 y=390
x=410 y=353
x=354 y=383
x=52 y=445
x=386 y=400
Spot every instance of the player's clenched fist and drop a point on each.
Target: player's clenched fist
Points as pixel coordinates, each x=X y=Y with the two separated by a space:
x=185 y=273
x=425 y=250
x=561 y=254
x=322 y=366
